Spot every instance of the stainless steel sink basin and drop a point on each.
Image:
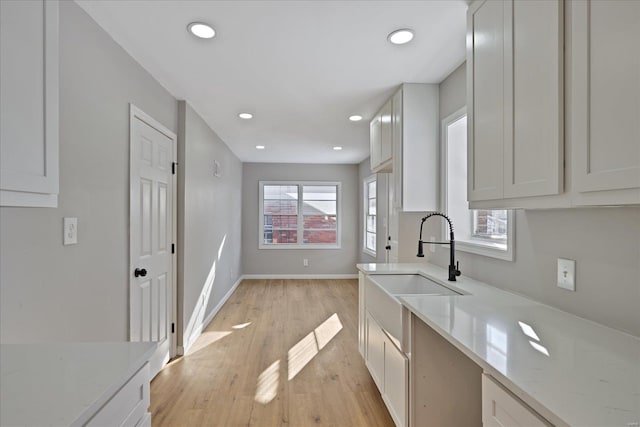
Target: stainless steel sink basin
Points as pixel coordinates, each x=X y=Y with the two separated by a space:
x=411 y=284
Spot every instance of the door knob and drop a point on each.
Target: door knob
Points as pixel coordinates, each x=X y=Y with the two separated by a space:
x=140 y=272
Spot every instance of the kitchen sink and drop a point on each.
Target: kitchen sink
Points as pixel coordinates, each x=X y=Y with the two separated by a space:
x=381 y=301
x=411 y=284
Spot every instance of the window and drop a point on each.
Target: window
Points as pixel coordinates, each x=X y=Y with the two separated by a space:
x=370 y=206
x=295 y=215
x=480 y=231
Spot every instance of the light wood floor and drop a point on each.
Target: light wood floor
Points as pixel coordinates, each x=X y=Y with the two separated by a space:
x=279 y=353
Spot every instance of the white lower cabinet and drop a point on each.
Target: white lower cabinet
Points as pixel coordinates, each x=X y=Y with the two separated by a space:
x=375 y=352
x=389 y=368
x=396 y=387
x=500 y=408
x=129 y=406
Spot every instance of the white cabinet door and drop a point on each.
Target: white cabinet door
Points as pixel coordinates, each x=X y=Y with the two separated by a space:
x=515 y=99
x=485 y=103
x=361 y=316
x=386 y=144
x=380 y=140
x=605 y=107
x=396 y=384
x=500 y=408
x=375 y=352
x=29 y=103
x=534 y=135
x=374 y=141
x=395 y=186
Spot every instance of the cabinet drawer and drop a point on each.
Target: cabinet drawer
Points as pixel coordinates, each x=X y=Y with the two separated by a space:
x=500 y=408
x=128 y=407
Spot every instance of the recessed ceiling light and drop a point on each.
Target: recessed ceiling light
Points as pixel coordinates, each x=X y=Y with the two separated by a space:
x=201 y=30
x=355 y=118
x=260 y=147
x=401 y=36
x=245 y=116
x=337 y=148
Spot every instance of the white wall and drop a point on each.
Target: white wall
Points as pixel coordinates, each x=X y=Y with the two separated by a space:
x=53 y=292
x=209 y=219
x=289 y=261
x=605 y=242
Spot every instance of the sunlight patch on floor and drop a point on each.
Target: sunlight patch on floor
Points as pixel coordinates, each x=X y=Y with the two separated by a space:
x=301 y=354
x=207 y=338
x=268 y=382
x=241 y=325
x=308 y=347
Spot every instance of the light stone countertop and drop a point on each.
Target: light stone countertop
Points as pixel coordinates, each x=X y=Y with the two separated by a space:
x=570 y=370
x=63 y=384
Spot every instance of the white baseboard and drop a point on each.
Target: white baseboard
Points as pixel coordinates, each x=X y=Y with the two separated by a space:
x=300 y=276
x=184 y=349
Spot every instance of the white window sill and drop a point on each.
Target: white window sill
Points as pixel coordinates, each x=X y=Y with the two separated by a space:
x=369 y=252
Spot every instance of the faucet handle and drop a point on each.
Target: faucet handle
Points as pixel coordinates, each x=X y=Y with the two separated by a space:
x=458 y=272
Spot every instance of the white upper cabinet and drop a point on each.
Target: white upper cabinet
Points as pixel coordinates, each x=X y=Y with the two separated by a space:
x=29 y=103
x=515 y=99
x=416 y=118
x=380 y=139
x=485 y=100
x=605 y=107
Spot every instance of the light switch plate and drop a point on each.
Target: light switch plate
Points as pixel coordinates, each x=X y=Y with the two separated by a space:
x=70 y=231
x=567 y=274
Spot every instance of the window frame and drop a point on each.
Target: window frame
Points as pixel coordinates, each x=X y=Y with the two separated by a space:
x=366 y=182
x=474 y=246
x=300 y=245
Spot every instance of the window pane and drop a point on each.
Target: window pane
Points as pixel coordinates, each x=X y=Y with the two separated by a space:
x=320 y=236
x=280 y=222
x=281 y=207
x=319 y=207
x=371 y=241
x=490 y=224
x=372 y=207
x=282 y=236
x=319 y=192
x=319 y=199
x=319 y=222
x=371 y=189
x=285 y=192
x=371 y=223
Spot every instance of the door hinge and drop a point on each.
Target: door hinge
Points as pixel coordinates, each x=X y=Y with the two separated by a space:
x=173 y=248
x=173 y=328
x=173 y=168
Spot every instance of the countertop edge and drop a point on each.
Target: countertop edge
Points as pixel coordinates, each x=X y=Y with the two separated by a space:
x=116 y=385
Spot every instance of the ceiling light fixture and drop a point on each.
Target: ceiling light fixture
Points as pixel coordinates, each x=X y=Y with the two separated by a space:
x=259 y=147
x=401 y=36
x=355 y=118
x=245 y=116
x=201 y=30
x=337 y=148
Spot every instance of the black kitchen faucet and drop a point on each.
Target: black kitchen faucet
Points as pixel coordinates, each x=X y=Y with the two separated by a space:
x=453 y=266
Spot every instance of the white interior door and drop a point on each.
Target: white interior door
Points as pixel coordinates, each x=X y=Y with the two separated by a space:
x=152 y=216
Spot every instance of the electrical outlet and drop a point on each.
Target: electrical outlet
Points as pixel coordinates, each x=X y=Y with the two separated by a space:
x=567 y=274
x=432 y=248
x=70 y=231
x=305 y=262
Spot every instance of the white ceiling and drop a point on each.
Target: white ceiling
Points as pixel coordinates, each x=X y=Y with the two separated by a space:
x=301 y=67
